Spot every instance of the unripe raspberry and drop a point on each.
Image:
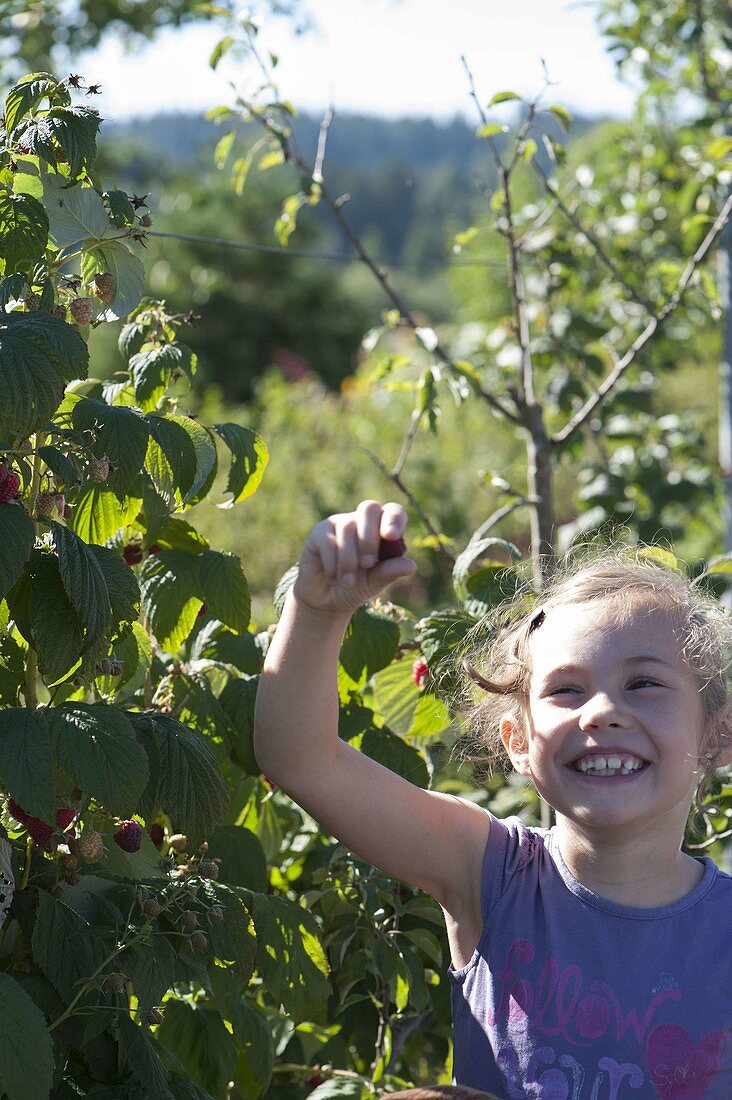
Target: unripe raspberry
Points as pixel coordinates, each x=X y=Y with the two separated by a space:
x=46 y=504
x=9 y=484
x=154 y=1016
x=105 y=666
x=178 y=842
x=188 y=921
x=216 y=914
x=73 y=878
x=98 y=469
x=152 y=908
x=82 y=310
x=104 y=287
x=89 y=846
x=420 y=672
x=208 y=869
x=198 y=941
x=115 y=983
x=32 y=302
x=70 y=862
x=129 y=836
x=60 y=312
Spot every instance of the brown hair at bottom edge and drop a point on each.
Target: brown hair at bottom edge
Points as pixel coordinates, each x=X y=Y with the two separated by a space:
x=440 y=1092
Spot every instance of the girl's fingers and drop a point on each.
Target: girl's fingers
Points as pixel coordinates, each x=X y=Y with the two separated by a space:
x=393 y=521
x=368 y=520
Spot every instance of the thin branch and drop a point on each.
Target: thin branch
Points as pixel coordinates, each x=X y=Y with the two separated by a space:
x=407 y=445
x=622 y=364
x=501 y=513
x=322 y=140
x=395 y=479
x=600 y=252
x=519 y=296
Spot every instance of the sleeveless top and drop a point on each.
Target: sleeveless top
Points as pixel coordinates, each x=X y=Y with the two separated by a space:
x=569 y=996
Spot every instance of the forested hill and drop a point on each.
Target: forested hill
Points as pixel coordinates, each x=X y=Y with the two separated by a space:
x=365 y=143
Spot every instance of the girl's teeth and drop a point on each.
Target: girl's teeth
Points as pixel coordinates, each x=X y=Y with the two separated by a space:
x=610 y=765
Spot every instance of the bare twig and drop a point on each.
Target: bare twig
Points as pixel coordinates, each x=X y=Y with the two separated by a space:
x=622 y=364
x=407 y=445
x=500 y=514
x=600 y=252
x=322 y=140
x=396 y=479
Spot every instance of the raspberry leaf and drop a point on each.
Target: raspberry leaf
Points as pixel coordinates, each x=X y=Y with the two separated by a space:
x=39 y=354
x=153 y=370
x=84 y=583
x=170 y=460
x=26 y=760
x=171 y=599
x=243 y=862
x=28 y=93
x=127 y=270
x=23 y=230
x=200 y=1043
x=237 y=701
x=290 y=955
x=122 y=588
x=71 y=129
x=99 y=513
x=46 y=618
x=120 y=433
x=224 y=589
x=26 y=1049
x=64 y=948
x=98 y=746
x=249 y=458
x=370 y=644
x=17 y=536
x=76 y=215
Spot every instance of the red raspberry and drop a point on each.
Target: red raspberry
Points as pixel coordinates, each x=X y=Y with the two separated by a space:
x=82 y=310
x=132 y=553
x=9 y=484
x=157 y=834
x=129 y=836
x=21 y=816
x=64 y=817
x=203 y=610
x=40 y=831
x=154 y=549
x=420 y=672
x=391 y=548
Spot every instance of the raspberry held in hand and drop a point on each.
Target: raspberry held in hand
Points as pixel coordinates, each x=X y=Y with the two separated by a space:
x=129 y=836
x=391 y=548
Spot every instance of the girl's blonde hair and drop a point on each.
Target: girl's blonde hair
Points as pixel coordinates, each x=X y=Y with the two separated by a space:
x=440 y=1092
x=498 y=649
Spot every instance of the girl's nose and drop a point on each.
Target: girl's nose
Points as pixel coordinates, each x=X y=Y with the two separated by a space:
x=601 y=711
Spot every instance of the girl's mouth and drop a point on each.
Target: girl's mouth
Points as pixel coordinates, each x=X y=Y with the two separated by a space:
x=608 y=764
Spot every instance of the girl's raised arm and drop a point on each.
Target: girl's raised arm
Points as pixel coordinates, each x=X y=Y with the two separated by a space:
x=432 y=840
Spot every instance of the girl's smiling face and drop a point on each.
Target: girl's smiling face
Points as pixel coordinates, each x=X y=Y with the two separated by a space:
x=614 y=718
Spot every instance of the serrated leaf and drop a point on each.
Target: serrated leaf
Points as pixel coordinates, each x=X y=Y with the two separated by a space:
x=27 y=761
x=24 y=96
x=562 y=114
x=97 y=745
x=121 y=211
x=218 y=643
x=370 y=644
x=46 y=618
x=237 y=701
x=39 y=355
x=242 y=857
x=139 y=1056
x=152 y=973
x=185 y=780
x=170 y=459
x=284 y=585
x=84 y=583
x=99 y=513
x=403 y=707
x=61 y=466
x=396 y=755
x=76 y=214
x=23 y=230
x=119 y=433
x=206 y=458
x=255 y=1042
x=17 y=536
x=63 y=947
x=290 y=957
x=475 y=551
x=249 y=458
x=233 y=940
x=26 y=1049
x=72 y=129
x=153 y=369
x=199 y=1041
x=171 y=599
x=12 y=288
x=224 y=589
x=122 y=589
x=127 y=271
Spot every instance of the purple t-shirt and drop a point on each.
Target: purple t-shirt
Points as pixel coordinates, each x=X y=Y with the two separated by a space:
x=569 y=996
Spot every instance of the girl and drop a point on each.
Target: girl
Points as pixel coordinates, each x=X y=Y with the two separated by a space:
x=592 y=961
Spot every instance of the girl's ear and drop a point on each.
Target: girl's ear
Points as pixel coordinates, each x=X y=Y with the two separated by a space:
x=724 y=759
x=515 y=742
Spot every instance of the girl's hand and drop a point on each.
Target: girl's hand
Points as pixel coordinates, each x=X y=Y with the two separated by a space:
x=340 y=567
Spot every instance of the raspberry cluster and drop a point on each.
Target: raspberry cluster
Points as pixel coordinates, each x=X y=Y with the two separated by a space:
x=9 y=484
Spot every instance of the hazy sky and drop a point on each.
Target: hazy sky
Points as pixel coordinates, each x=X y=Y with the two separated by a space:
x=389 y=57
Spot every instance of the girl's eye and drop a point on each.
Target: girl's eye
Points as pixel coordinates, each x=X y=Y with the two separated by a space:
x=564 y=689
x=643 y=681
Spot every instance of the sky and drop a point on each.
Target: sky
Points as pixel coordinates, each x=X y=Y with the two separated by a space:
x=386 y=57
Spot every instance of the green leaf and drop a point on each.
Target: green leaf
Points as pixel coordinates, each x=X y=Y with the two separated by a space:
x=503 y=97
x=284 y=585
x=127 y=270
x=170 y=459
x=224 y=589
x=528 y=149
x=26 y=95
x=71 y=129
x=17 y=536
x=206 y=459
x=255 y=1042
x=338 y=1088
x=237 y=702
x=76 y=214
x=46 y=618
x=473 y=552
x=222 y=47
x=120 y=209
x=63 y=947
x=720 y=565
x=119 y=433
x=154 y=368
x=26 y=761
x=562 y=114
x=134 y=652
x=396 y=755
x=98 y=746
x=140 y=1057
x=99 y=513
x=490 y=129
x=26 y=1049
x=370 y=644
x=217 y=643
x=152 y=973
x=232 y=941
x=171 y=600
x=199 y=1041
x=290 y=957
x=39 y=355
x=660 y=556
x=185 y=780
x=249 y=458
x=23 y=230
x=84 y=583
x=242 y=857
x=122 y=589
x=61 y=466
